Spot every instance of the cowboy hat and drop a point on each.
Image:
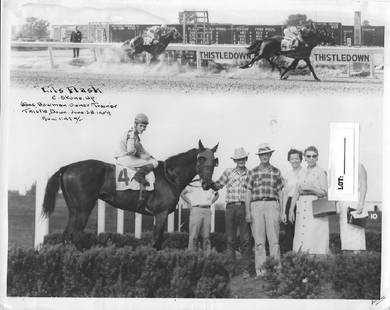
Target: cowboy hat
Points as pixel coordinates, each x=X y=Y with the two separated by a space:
x=239 y=154
x=264 y=148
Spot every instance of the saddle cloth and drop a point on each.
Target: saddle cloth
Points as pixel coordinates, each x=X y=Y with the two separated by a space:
x=287 y=45
x=124 y=179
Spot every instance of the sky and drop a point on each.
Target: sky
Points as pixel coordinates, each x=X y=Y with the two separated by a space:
x=226 y=11
x=37 y=148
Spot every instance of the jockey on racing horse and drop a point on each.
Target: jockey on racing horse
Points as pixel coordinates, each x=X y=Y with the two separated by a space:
x=133 y=155
x=294 y=35
x=154 y=33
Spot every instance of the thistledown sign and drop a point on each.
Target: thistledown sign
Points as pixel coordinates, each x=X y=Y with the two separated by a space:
x=232 y=56
x=343 y=55
x=229 y=53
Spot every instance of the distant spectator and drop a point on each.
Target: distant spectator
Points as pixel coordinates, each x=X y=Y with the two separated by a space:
x=76 y=38
x=200 y=201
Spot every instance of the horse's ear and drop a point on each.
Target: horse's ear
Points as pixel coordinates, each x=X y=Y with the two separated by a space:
x=201 y=147
x=214 y=149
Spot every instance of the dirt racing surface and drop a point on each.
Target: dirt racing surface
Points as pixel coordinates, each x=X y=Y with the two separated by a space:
x=188 y=82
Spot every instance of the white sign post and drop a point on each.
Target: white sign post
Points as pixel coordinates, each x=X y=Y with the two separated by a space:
x=343 y=161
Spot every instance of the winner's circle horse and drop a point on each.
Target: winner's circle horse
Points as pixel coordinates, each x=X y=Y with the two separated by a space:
x=270 y=49
x=136 y=45
x=83 y=183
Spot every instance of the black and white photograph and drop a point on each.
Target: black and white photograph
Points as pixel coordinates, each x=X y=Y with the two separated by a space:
x=194 y=154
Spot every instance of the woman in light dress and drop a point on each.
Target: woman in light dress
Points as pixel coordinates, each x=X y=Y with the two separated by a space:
x=311 y=233
x=353 y=237
x=290 y=182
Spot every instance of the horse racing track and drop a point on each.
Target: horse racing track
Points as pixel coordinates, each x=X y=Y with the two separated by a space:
x=29 y=68
x=182 y=80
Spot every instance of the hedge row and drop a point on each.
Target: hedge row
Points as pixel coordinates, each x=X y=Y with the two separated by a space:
x=179 y=240
x=144 y=272
x=62 y=270
x=300 y=275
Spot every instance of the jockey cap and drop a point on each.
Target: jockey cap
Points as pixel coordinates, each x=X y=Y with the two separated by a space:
x=141 y=118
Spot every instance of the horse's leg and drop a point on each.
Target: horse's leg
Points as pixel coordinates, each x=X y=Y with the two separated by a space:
x=274 y=65
x=79 y=206
x=250 y=64
x=290 y=67
x=311 y=69
x=158 y=230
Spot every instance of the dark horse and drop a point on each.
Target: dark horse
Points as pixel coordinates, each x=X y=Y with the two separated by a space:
x=137 y=46
x=270 y=49
x=83 y=183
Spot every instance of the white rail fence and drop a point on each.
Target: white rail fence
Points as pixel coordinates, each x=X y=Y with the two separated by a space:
x=337 y=55
x=42 y=223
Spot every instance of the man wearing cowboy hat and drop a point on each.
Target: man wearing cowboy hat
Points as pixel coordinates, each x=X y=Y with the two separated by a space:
x=234 y=179
x=263 y=204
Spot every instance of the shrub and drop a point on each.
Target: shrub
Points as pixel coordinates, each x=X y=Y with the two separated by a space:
x=21 y=276
x=301 y=275
x=358 y=275
x=116 y=272
x=271 y=277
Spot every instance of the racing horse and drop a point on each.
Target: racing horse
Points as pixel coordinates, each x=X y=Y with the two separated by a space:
x=270 y=49
x=83 y=183
x=136 y=45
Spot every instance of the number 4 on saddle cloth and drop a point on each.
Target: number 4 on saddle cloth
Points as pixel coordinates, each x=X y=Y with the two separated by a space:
x=124 y=179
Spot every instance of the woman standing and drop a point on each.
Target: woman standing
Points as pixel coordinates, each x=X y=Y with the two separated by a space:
x=290 y=182
x=311 y=233
x=353 y=237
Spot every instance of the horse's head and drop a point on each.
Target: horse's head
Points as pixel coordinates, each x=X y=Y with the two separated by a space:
x=205 y=164
x=173 y=34
x=321 y=35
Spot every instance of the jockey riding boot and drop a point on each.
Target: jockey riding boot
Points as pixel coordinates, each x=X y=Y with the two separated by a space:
x=140 y=178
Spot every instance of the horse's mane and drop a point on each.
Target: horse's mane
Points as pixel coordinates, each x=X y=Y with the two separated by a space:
x=181 y=158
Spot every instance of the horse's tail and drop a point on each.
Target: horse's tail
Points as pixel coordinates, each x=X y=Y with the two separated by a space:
x=52 y=188
x=254 y=47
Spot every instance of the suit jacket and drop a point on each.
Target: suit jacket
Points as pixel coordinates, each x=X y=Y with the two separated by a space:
x=75 y=36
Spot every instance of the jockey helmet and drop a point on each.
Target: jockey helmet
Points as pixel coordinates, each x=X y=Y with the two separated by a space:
x=141 y=118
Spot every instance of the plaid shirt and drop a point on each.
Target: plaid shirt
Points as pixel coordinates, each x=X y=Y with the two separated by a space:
x=264 y=182
x=234 y=180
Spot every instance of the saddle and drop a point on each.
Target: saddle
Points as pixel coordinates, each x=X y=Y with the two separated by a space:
x=124 y=179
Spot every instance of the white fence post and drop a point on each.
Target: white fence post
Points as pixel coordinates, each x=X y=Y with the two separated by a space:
x=212 y=209
x=101 y=223
x=198 y=61
x=119 y=221
x=179 y=214
x=138 y=225
x=372 y=66
x=41 y=223
x=51 y=56
x=171 y=222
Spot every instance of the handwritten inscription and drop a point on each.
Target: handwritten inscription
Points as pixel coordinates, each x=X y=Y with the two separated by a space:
x=68 y=104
